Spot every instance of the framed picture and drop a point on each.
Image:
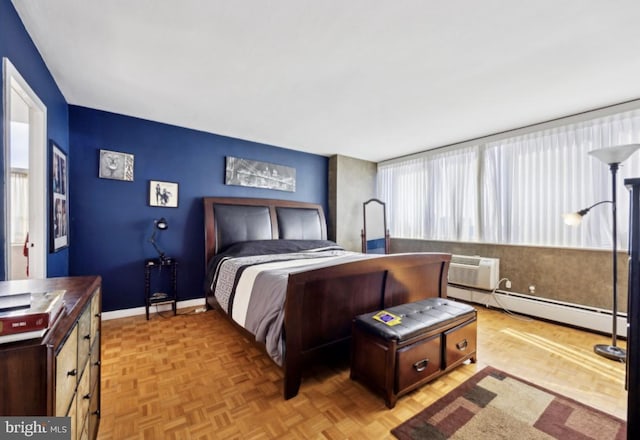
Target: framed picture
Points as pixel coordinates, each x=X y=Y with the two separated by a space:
x=59 y=180
x=163 y=194
x=246 y=172
x=116 y=165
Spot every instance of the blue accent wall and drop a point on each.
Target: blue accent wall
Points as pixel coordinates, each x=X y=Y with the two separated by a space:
x=17 y=46
x=111 y=220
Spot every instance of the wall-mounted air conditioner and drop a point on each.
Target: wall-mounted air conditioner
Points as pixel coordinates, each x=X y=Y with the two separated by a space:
x=472 y=271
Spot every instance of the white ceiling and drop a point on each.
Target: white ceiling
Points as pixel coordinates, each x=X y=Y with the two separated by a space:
x=370 y=79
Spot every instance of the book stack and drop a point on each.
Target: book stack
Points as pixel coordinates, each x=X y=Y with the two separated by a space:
x=29 y=315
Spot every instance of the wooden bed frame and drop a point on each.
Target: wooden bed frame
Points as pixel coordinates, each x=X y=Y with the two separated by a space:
x=321 y=304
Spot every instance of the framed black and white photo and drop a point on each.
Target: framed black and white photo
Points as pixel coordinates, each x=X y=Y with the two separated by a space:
x=116 y=165
x=246 y=172
x=163 y=194
x=59 y=184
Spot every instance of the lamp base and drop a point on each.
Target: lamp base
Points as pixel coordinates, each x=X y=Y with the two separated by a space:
x=611 y=352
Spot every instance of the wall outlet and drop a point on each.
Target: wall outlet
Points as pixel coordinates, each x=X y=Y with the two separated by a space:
x=507 y=284
x=532 y=289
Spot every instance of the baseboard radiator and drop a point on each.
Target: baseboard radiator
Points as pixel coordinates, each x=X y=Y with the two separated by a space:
x=589 y=318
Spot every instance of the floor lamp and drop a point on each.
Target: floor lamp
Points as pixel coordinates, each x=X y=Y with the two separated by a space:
x=612 y=156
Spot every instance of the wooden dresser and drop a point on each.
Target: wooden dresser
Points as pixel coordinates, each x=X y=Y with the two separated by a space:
x=58 y=374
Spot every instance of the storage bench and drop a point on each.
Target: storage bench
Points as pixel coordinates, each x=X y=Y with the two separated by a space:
x=433 y=336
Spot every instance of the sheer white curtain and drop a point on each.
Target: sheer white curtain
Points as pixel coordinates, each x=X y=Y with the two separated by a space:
x=531 y=180
x=434 y=196
x=515 y=190
x=19 y=206
x=403 y=187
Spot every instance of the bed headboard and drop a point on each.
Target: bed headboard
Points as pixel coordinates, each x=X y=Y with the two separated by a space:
x=228 y=220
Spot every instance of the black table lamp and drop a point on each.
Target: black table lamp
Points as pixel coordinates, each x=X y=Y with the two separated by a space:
x=159 y=225
x=612 y=156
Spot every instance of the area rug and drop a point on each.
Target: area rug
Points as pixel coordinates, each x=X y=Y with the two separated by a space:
x=495 y=405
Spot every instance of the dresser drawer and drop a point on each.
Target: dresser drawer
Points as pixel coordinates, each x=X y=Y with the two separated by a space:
x=73 y=415
x=94 y=411
x=95 y=361
x=418 y=362
x=84 y=338
x=83 y=396
x=460 y=343
x=84 y=433
x=95 y=315
x=66 y=373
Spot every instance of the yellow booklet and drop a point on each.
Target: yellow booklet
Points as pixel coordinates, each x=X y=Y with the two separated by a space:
x=387 y=318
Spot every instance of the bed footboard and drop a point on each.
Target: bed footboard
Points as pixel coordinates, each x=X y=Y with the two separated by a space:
x=322 y=303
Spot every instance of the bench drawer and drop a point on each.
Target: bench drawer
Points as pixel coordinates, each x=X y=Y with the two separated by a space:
x=460 y=343
x=418 y=362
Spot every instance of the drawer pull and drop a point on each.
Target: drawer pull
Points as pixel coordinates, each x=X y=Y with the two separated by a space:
x=421 y=365
x=73 y=372
x=87 y=337
x=96 y=363
x=96 y=413
x=87 y=396
x=462 y=345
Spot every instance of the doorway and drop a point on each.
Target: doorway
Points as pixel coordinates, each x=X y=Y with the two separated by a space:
x=25 y=154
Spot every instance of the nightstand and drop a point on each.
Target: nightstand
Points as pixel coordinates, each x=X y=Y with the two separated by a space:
x=159 y=265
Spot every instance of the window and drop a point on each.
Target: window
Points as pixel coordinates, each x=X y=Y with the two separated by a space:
x=515 y=189
x=19 y=206
x=433 y=196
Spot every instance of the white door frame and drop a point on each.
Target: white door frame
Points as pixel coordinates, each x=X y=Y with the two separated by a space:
x=38 y=188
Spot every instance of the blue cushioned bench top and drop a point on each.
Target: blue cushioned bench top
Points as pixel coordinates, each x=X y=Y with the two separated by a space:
x=416 y=318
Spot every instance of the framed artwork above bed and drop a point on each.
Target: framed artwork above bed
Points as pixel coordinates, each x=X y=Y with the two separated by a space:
x=163 y=194
x=116 y=165
x=256 y=174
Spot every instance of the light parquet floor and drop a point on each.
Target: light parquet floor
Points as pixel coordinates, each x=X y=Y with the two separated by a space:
x=193 y=376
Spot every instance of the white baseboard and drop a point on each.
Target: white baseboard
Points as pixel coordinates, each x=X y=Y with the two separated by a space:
x=590 y=318
x=115 y=314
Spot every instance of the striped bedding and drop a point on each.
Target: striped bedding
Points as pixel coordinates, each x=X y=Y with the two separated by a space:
x=249 y=281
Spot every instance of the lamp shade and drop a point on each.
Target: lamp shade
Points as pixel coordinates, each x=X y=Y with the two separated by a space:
x=616 y=154
x=162 y=224
x=572 y=219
